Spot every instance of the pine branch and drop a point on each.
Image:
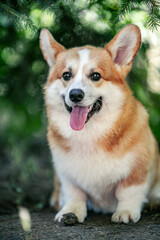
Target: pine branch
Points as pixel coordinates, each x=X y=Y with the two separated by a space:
x=153 y=11
x=12 y=14
x=21 y=2
x=123 y=9
x=19 y=12
x=154 y=14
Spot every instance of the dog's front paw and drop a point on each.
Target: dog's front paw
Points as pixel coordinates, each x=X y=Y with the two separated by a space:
x=80 y=213
x=125 y=216
x=69 y=219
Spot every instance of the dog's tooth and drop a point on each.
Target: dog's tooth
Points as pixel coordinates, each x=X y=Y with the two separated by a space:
x=89 y=109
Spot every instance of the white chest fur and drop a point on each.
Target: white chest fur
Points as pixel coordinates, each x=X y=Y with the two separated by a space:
x=91 y=169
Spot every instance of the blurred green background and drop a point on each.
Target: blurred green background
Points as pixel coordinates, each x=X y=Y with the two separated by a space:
x=26 y=169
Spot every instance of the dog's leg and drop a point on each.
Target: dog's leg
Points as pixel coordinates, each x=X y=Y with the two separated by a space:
x=154 y=195
x=54 y=199
x=130 y=201
x=74 y=201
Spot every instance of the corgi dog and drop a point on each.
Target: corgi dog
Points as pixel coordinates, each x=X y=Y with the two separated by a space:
x=105 y=155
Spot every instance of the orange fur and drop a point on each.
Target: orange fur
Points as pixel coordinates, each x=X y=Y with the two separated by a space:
x=117 y=137
x=55 y=138
x=54 y=45
x=125 y=69
x=127 y=132
x=52 y=77
x=56 y=193
x=130 y=134
x=137 y=176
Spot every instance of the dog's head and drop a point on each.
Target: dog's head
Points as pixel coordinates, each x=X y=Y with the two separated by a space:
x=83 y=81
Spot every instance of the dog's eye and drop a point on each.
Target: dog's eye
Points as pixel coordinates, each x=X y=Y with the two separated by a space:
x=67 y=76
x=95 y=76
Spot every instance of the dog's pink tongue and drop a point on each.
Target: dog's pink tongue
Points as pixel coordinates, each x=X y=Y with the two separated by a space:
x=78 y=117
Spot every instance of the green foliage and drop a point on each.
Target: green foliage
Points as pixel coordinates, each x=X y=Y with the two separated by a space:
x=154 y=14
x=152 y=8
x=18 y=11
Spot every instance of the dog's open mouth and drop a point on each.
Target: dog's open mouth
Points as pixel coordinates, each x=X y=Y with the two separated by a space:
x=80 y=115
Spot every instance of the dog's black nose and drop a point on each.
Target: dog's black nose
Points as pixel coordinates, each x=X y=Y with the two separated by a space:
x=76 y=95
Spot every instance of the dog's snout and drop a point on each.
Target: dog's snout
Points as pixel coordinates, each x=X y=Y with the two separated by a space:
x=76 y=95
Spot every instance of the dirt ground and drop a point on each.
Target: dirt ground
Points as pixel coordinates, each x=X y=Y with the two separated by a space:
x=96 y=226
x=33 y=193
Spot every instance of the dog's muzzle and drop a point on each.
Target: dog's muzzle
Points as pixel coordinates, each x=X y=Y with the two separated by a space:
x=81 y=114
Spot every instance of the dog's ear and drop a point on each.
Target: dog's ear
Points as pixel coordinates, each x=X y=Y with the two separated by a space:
x=49 y=47
x=124 y=46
